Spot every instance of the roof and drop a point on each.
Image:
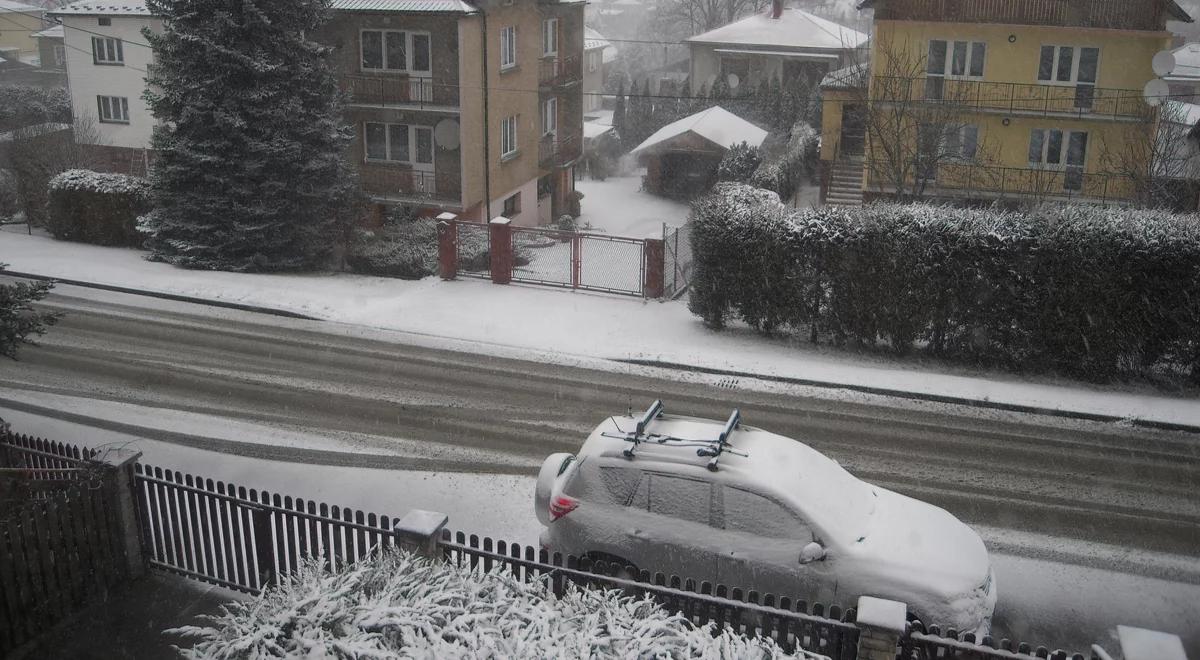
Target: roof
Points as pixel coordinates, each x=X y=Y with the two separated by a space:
x=9 y=5
x=409 y=6
x=593 y=129
x=1173 y=8
x=1187 y=62
x=593 y=40
x=54 y=32
x=795 y=29
x=850 y=77
x=1178 y=112
x=105 y=8
x=716 y=124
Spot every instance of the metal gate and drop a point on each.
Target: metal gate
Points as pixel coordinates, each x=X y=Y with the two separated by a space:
x=677 y=269
x=473 y=243
x=593 y=262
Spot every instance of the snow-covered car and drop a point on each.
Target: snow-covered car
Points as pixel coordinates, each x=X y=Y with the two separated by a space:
x=747 y=508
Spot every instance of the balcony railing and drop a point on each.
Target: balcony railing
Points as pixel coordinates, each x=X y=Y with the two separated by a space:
x=556 y=150
x=1079 y=100
x=1113 y=14
x=407 y=183
x=964 y=179
x=399 y=90
x=553 y=71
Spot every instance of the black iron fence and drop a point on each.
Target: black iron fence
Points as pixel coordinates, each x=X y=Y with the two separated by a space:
x=1074 y=99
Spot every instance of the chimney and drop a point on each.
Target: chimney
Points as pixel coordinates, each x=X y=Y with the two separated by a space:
x=776 y=8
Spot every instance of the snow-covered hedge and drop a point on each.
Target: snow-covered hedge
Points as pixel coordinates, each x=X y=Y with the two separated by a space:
x=23 y=105
x=402 y=606
x=406 y=249
x=1080 y=289
x=96 y=207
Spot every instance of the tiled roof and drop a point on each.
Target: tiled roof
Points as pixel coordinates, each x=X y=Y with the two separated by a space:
x=414 y=6
x=105 y=8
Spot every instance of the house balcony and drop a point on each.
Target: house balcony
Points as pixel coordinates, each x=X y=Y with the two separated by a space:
x=394 y=183
x=1080 y=101
x=560 y=71
x=400 y=90
x=558 y=150
x=976 y=181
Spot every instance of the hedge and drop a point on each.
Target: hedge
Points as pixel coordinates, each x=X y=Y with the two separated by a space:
x=1078 y=289
x=95 y=207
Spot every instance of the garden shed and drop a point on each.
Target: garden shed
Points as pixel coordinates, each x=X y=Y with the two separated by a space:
x=681 y=158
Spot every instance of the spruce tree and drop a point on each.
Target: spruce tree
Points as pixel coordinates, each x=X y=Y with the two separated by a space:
x=618 y=118
x=18 y=319
x=250 y=173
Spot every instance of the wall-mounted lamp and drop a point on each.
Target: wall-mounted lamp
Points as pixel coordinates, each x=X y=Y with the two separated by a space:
x=1012 y=38
x=1006 y=121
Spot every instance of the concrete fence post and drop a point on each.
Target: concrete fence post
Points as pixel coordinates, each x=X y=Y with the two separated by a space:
x=447 y=245
x=1143 y=644
x=881 y=623
x=116 y=464
x=420 y=531
x=501 y=249
x=656 y=266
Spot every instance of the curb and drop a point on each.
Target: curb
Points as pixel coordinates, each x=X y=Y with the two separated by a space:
x=918 y=396
x=165 y=296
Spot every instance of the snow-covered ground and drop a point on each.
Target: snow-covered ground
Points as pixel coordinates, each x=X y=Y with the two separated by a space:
x=1058 y=603
x=619 y=207
x=564 y=326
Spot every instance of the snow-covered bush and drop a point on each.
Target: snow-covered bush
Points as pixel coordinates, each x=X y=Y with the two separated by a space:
x=402 y=606
x=406 y=249
x=22 y=105
x=739 y=163
x=1084 y=290
x=96 y=207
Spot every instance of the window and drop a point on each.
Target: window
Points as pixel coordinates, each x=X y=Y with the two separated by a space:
x=1069 y=64
x=550 y=116
x=962 y=142
x=593 y=61
x=508 y=137
x=104 y=20
x=1053 y=148
x=395 y=50
x=956 y=59
x=512 y=205
x=395 y=142
x=679 y=498
x=621 y=483
x=550 y=36
x=508 y=48
x=754 y=514
x=113 y=109
x=60 y=55
x=107 y=51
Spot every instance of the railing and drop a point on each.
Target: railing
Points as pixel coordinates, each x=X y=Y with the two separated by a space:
x=558 y=150
x=395 y=182
x=399 y=89
x=920 y=643
x=791 y=623
x=559 y=70
x=1079 y=100
x=1017 y=182
x=1114 y=14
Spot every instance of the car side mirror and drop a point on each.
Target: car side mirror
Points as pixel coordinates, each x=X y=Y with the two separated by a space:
x=812 y=552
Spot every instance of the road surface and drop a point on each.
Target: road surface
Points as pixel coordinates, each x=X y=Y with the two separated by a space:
x=1039 y=489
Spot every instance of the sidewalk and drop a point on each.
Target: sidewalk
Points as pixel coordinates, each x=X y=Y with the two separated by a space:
x=131 y=623
x=567 y=326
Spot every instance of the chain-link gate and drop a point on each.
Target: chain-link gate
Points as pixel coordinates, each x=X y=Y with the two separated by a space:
x=677 y=269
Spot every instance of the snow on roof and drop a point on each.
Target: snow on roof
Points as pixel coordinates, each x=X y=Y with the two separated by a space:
x=794 y=29
x=54 y=32
x=9 y=5
x=414 y=6
x=716 y=124
x=850 y=77
x=1177 y=12
x=593 y=129
x=1187 y=62
x=105 y=8
x=1179 y=112
x=593 y=39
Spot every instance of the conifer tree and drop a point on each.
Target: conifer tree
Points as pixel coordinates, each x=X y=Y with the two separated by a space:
x=250 y=173
x=618 y=118
x=18 y=319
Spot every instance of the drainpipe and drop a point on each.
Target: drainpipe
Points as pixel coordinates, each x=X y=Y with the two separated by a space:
x=487 y=124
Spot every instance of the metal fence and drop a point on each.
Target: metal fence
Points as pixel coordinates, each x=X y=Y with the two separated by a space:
x=677 y=267
x=921 y=643
x=473 y=247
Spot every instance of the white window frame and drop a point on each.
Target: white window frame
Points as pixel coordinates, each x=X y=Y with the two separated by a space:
x=948 y=61
x=1064 y=149
x=108 y=51
x=508 y=137
x=409 y=51
x=112 y=109
x=550 y=37
x=550 y=116
x=508 y=47
x=412 y=130
x=1076 y=58
x=958 y=155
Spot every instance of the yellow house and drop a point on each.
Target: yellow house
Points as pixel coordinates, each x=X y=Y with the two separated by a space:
x=997 y=99
x=20 y=22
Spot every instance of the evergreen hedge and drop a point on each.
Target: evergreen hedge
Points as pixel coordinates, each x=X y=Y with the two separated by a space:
x=1078 y=289
x=99 y=208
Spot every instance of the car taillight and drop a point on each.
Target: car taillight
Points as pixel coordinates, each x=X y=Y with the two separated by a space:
x=561 y=505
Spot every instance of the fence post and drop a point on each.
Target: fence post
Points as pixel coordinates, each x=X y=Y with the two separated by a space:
x=655 y=268
x=880 y=623
x=264 y=544
x=419 y=532
x=1143 y=644
x=447 y=245
x=501 y=250
x=117 y=463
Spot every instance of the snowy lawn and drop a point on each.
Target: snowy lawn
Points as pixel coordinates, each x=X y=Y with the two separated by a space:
x=618 y=206
x=565 y=325
x=399 y=605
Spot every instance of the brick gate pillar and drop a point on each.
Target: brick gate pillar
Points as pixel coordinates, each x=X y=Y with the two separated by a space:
x=501 y=250
x=116 y=465
x=656 y=255
x=447 y=245
x=880 y=624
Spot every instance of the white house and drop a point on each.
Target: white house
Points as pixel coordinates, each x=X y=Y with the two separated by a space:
x=782 y=42
x=1184 y=79
x=107 y=59
x=598 y=53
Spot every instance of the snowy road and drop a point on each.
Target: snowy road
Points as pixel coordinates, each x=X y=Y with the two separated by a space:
x=1091 y=515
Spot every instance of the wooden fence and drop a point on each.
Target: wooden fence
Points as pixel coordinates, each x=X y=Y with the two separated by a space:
x=58 y=546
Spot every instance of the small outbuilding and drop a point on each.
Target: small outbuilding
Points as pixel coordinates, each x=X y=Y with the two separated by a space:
x=681 y=158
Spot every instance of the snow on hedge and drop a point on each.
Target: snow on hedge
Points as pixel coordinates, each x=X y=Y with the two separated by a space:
x=401 y=605
x=101 y=182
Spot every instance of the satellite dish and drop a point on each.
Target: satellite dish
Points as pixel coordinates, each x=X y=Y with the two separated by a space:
x=1163 y=63
x=1156 y=92
x=446 y=134
x=732 y=80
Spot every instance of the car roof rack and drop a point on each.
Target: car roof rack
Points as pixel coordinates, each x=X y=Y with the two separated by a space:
x=712 y=448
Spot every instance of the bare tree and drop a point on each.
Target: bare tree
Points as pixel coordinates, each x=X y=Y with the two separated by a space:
x=704 y=15
x=1156 y=157
x=37 y=153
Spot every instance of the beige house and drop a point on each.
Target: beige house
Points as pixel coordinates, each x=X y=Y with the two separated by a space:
x=1183 y=82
